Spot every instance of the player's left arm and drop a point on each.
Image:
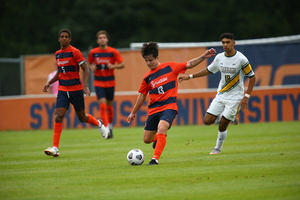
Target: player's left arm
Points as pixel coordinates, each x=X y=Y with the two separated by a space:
x=85 y=78
x=196 y=61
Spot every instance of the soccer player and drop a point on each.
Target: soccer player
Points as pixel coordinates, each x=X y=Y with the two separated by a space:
x=103 y=60
x=230 y=97
x=161 y=85
x=70 y=89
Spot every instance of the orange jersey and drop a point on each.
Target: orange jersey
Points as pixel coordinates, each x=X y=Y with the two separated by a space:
x=162 y=86
x=104 y=77
x=68 y=61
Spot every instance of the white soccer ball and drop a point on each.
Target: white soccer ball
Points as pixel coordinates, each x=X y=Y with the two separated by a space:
x=135 y=157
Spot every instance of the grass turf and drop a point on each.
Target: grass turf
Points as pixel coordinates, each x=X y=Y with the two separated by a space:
x=258 y=161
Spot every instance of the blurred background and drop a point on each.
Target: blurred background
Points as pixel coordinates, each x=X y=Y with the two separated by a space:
x=31 y=27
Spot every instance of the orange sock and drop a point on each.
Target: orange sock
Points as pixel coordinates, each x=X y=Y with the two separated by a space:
x=160 y=145
x=92 y=120
x=103 y=113
x=110 y=114
x=57 y=133
x=155 y=138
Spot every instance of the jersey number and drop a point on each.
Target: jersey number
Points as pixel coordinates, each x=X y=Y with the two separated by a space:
x=227 y=78
x=160 y=90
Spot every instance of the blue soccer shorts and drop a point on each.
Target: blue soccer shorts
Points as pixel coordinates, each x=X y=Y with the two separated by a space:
x=76 y=98
x=153 y=120
x=107 y=93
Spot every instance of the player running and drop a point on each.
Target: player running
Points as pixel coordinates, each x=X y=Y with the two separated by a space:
x=70 y=89
x=230 y=97
x=103 y=61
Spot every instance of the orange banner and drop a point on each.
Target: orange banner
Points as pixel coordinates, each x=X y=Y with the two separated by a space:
x=265 y=105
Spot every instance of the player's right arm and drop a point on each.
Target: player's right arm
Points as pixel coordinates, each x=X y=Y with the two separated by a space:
x=91 y=61
x=139 y=102
x=203 y=72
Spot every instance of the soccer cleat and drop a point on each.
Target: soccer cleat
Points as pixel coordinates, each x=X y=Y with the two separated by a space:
x=103 y=130
x=154 y=144
x=110 y=135
x=52 y=151
x=153 y=162
x=215 y=151
x=110 y=128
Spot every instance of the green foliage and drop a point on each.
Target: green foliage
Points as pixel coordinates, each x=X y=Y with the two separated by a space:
x=31 y=27
x=259 y=161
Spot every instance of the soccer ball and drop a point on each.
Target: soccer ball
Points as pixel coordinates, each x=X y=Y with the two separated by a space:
x=135 y=157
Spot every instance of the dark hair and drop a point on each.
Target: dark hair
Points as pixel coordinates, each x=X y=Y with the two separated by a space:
x=150 y=48
x=227 y=35
x=66 y=31
x=102 y=32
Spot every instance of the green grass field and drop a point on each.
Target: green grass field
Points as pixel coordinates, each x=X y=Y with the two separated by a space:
x=258 y=161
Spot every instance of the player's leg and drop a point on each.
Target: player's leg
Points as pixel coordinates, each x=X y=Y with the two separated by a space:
x=229 y=115
x=77 y=99
x=165 y=121
x=222 y=134
x=214 y=112
x=161 y=136
x=61 y=107
x=150 y=130
x=214 y=115
x=209 y=119
x=101 y=99
x=110 y=109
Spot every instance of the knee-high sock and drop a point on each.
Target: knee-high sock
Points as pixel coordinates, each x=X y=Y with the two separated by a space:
x=155 y=138
x=56 y=134
x=103 y=113
x=221 y=139
x=160 y=145
x=92 y=120
x=110 y=113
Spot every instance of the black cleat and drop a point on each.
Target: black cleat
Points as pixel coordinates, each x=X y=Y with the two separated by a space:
x=153 y=162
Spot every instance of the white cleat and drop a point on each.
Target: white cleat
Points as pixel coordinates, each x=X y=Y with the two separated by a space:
x=215 y=151
x=103 y=130
x=52 y=151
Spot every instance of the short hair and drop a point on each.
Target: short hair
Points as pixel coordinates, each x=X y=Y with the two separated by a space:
x=227 y=35
x=150 y=48
x=66 y=31
x=102 y=32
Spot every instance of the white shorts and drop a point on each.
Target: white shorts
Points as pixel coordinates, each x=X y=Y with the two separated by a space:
x=227 y=108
